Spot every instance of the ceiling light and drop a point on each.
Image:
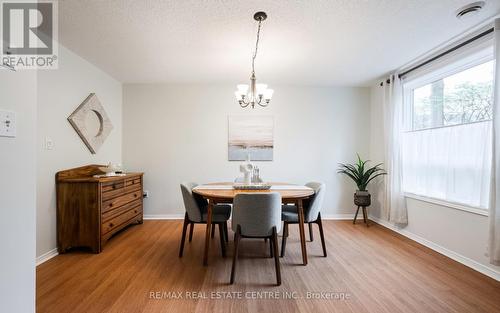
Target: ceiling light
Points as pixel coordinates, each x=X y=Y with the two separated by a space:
x=255 y=93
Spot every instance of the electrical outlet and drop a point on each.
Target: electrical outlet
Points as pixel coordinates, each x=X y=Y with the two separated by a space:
x=146 y=194
x=7 y=124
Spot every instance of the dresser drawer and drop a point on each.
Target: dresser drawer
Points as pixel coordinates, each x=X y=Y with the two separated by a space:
x=117 y=221
x=113 y=203
x=119 y=189
x=119 y=210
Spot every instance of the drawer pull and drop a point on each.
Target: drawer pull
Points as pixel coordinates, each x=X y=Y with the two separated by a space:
x=135 y=211
x=135 y=195
x=111 y=225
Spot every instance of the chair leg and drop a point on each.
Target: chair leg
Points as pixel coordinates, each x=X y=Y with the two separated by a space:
x=213 y=231
x=283 y=240
x=184 y=228
x=226 y=233
x=365 y=216
x=191 y=231
x=235 y=253
x=310 y=232
x=355 y=216
x=271 y=250
x=276 y=257
x=321 y=234
x=222 y=240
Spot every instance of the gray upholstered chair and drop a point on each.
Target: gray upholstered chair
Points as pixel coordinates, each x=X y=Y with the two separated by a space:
x=312 y=215
x=196 y=213
x=257 y=215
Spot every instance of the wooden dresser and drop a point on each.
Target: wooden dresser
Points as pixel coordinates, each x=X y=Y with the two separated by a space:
x=90 y=210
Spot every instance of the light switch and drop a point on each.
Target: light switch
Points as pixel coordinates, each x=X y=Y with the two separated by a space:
x=7 y=124
x=49 y=143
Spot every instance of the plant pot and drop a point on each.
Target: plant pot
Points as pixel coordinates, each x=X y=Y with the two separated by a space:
x=362 y=198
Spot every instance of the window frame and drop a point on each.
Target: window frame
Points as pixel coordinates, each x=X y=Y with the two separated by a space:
x=432 y=74
x=448 y=70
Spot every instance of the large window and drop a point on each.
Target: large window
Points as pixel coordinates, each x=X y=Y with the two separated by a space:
x=447 y=142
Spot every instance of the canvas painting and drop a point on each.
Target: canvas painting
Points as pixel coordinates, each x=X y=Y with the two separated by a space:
x=252 y=136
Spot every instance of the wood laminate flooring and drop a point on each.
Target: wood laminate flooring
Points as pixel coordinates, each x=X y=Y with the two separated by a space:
x=367 y=270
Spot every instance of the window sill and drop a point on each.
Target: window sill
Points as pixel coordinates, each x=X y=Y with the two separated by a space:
x=457 y=206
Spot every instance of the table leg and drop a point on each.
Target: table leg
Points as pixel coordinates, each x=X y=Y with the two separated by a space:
x=207 y=233
x=301 y=230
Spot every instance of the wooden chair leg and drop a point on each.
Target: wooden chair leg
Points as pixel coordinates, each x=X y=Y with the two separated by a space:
x=365 y=216
x=222 y=240
x=235 y=253
x=310 y=232
x=184 y=228
x=276 y=257
x=355 y=216
x=283 y=240
x=321 y=234
x=213 y=231
x=191 y=231
x=226 y=233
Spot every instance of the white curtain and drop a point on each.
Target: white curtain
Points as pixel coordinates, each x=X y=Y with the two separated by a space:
x=395 y=204
x=450 y=163
x=494 y=214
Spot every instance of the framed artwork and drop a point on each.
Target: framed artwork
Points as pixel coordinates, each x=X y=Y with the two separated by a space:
x=252 y=136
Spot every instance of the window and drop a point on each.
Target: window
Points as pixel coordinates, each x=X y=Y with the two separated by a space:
x=446 y=147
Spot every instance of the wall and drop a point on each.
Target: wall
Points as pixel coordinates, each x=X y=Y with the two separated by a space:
x=178 y=133
x=60 y=92
x=18 y=194
x=458 y=234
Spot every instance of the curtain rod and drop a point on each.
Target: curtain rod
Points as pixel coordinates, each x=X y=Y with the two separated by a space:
x=442 y=54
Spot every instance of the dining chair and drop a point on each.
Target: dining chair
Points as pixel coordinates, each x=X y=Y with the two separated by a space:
x=257 y=215
x=196 y=213
x=312 y=215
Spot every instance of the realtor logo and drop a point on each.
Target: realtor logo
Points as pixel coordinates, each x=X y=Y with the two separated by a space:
x=29 y=34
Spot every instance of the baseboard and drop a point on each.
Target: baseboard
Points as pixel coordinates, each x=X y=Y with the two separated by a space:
x=177 y=216
x=483 y=269
x=46 y=256
x=164 y=216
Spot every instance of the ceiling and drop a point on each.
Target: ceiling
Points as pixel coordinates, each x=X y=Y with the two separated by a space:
x=304 y=42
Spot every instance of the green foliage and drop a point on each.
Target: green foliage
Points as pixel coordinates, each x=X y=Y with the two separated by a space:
x=359 y=174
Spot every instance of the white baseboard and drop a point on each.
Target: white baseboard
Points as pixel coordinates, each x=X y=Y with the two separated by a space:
x=164 y=216
x=46 y=256
x=483 y=269
x=178 y=216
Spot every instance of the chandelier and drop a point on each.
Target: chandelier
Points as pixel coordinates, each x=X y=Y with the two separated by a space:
x=255 y=93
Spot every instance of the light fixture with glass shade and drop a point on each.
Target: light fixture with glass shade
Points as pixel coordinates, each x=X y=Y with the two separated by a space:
x=255 y=93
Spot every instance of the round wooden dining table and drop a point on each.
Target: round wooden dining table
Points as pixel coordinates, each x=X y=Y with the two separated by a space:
x=220 y=193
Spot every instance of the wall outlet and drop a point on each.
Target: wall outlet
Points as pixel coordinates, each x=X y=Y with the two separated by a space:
x=145 y=194
x=7 y=124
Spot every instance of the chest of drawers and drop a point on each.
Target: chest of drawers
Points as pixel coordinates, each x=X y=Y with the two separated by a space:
x=90 y=210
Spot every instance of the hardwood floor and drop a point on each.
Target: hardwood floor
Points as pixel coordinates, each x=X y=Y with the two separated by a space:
x=367 y=270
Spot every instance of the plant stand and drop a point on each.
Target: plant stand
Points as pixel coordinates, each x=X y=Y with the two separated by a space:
x=365 y=219
x=363 y=200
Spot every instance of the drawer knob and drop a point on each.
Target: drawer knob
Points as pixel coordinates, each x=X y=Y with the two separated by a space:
x=114 y=186
x=135 y=211
x=111 y=225
x=135 y=195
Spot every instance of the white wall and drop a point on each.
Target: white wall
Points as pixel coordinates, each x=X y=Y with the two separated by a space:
x=459 y=234
x=178 y=133
x=18 y=194
x=60 y=92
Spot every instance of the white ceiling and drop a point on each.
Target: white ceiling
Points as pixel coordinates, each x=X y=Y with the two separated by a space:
x=304 y=42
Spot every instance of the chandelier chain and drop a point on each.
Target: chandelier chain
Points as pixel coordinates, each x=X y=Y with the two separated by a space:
x=256 y=47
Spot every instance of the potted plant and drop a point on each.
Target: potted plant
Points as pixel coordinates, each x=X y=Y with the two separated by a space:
x=361 y=175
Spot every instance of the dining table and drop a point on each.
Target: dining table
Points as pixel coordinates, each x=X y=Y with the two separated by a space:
x=224 y=193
